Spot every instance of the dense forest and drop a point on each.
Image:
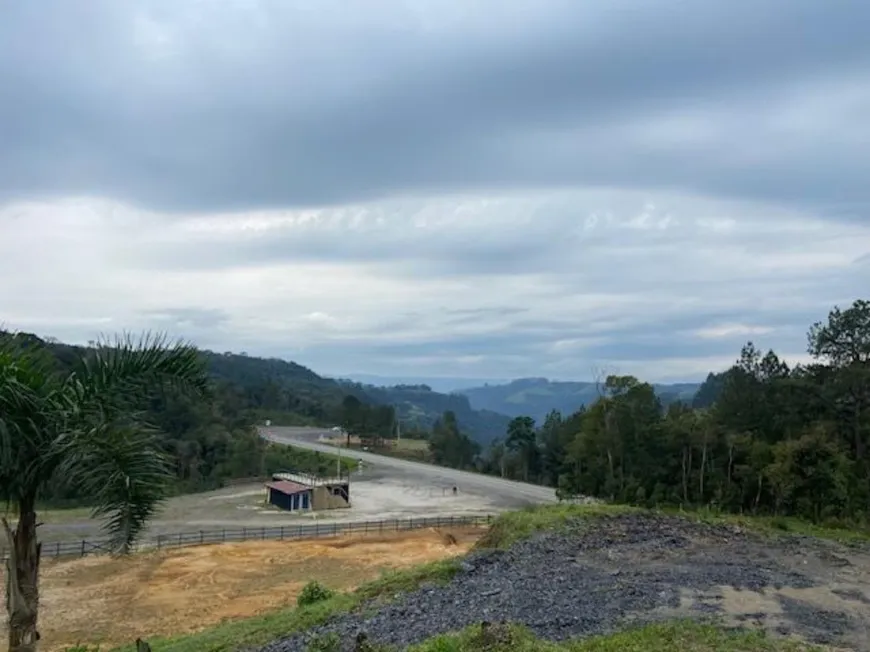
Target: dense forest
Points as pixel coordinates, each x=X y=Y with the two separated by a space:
x=761 y=437
x=211 y=440
x=537 y=397
x=419 y=408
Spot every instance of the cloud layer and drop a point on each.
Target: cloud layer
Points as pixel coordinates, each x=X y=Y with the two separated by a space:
x=552 y=284
x=420 y=187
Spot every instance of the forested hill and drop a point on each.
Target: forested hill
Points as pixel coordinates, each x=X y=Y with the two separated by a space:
x=291 y=394
x=536 y=397
x=210 y=440
x=282 y=387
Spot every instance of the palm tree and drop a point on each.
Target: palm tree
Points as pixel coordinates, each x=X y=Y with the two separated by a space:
x=84 y=429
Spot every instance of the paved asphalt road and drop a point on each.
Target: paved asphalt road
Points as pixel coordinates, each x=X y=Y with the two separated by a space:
x=507 y=491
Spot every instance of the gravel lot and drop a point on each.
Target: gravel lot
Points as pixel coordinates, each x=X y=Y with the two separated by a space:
x=385 y=489
x=602 y=575
x=375 y=495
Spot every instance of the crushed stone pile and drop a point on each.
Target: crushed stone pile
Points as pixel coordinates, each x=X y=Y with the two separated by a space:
x=600 y=575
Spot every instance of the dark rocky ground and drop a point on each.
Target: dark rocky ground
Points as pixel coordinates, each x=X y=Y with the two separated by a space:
x=604 y=574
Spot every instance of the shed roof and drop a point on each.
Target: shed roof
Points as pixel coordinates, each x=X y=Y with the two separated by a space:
x=287 y=487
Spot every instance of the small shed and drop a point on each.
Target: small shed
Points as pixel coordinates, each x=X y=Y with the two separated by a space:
x=290 y=496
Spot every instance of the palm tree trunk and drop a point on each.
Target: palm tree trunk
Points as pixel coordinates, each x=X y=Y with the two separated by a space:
x=22 y=579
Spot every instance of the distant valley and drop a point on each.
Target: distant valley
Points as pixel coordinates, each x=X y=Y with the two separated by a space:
x=441 y=384
x=290 y=394
x=534 y=397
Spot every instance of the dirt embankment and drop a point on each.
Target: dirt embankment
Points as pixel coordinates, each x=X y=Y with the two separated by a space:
x=112 y=601
x=606 y=574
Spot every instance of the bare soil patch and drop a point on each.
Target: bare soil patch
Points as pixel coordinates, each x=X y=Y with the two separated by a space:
x=112 y=601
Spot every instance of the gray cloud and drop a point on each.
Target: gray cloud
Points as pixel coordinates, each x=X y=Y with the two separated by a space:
x=176 y=106
x=489 y=189
x=180 y=318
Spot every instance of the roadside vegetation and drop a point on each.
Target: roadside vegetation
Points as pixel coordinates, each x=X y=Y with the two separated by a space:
x=510 y=527
x=668 y=637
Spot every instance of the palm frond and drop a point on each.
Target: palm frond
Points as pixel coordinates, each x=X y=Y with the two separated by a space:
x=126 y=474
x=27 y=391
x=128 y=364
x=108 y=448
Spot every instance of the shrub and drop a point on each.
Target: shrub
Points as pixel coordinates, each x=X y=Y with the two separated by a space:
x=313 y=592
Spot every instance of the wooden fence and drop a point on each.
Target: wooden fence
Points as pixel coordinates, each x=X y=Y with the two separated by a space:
x=82 y=547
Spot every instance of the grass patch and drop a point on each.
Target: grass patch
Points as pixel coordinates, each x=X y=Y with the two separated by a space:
x=684 y=636
x=510 y=527
x=52 y=515
x=393 y=582
x=777 y=525
x=233 y=635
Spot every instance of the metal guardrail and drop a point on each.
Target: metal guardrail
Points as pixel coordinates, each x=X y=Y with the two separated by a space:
x=84 y=547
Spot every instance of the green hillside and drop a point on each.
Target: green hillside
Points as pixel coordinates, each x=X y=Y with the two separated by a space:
x=208 y=439
x=536 y=397
x=419 y=407
x=255 y=389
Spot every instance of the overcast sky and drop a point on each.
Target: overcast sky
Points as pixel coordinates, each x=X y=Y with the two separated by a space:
x=490 y=188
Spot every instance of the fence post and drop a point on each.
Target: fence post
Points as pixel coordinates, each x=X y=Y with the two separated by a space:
x=201 y=537
x=57 y=550
x=83 y=547
x=179 y=539
x=263 y=533
x=244 y=534
x=224 y=535
x=282 y=533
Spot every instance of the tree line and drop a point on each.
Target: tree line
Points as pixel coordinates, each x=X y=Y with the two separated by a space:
x=208 y=437
x=761 y=437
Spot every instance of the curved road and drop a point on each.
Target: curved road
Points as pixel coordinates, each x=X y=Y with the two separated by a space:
x=508 y=492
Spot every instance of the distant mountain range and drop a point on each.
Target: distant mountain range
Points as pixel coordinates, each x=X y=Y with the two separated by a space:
x=444 y=385
x=535 y=397
x=287 y=389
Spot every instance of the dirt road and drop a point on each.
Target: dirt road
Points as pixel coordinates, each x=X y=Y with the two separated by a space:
x=505 y=492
